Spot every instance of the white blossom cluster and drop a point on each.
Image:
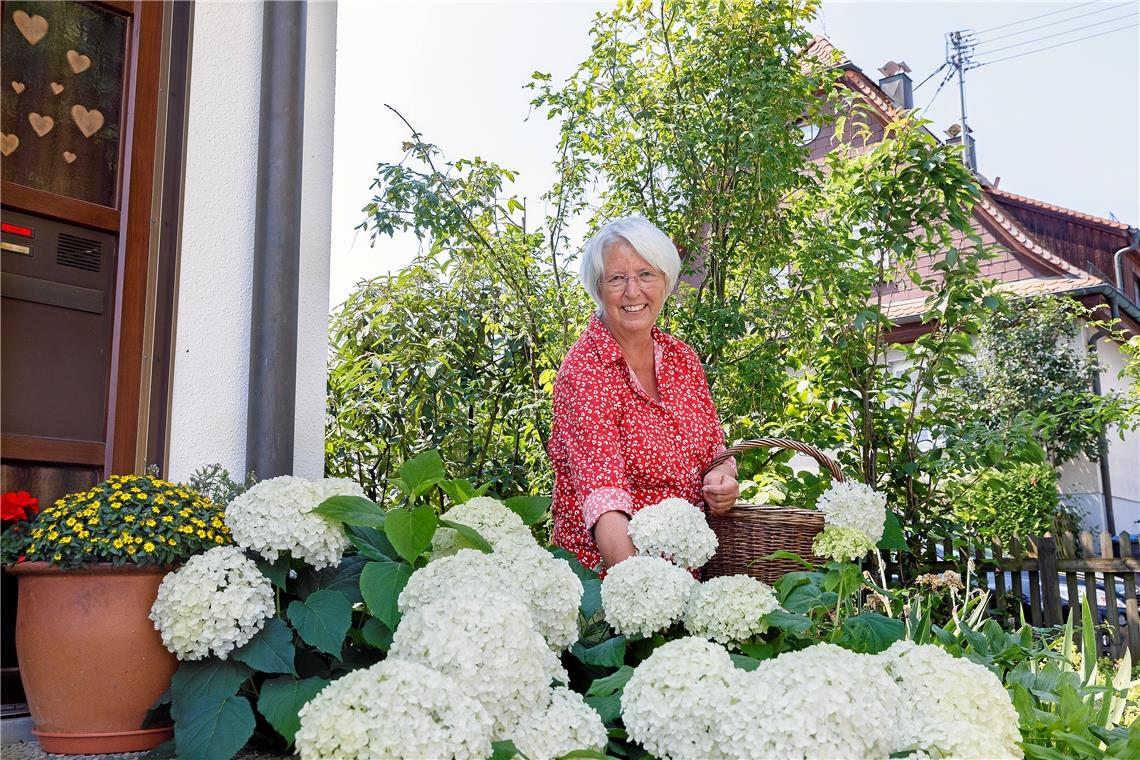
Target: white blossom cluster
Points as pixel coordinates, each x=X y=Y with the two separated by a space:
x=213 y=604
x=955 y=707
x=466 y=573
x=842 y=544
x=394 y=709
x=490 y=518
x=688 y=701
x=644 y=595
x=565 y=724
x=548 y=585
x=276 y=515
x=729 y=609
x=673 y=529
x=849 y=504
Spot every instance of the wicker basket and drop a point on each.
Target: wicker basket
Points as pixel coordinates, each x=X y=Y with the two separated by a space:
x=749 y=532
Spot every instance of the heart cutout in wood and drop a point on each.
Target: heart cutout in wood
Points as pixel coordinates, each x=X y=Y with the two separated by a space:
x=41 y=124
x=56 y=87
x=32 y=27
x=78 y=62
x=89 y=122
x=68 y=156
x=18 y=86
x=8 y=144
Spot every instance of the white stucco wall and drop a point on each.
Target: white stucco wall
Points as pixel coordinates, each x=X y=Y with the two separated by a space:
x=211 y=366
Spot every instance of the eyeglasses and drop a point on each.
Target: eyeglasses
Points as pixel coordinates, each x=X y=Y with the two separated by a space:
x=618 y=281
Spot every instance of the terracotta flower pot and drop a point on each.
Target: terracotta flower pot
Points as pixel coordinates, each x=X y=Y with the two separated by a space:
x=91 y=661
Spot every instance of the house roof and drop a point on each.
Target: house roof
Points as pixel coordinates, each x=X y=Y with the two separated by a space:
x=1005 y=195
x=908 y=309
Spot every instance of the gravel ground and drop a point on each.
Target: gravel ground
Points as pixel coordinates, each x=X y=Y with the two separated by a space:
x=32 y=751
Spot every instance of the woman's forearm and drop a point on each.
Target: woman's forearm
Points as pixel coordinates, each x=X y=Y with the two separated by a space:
x=611 y=533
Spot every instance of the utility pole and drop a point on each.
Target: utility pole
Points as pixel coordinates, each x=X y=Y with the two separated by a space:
x=959 y=50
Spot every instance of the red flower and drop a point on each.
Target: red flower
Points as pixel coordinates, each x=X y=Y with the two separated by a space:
x=18 y=505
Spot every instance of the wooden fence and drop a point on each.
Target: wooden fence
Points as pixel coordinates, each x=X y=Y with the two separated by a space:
x=1041 y=577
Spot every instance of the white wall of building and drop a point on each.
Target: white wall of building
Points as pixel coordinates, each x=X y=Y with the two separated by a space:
x=211 y=366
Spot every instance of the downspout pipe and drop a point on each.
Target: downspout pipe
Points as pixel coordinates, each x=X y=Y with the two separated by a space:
x=1118 y=258
x=271 y=414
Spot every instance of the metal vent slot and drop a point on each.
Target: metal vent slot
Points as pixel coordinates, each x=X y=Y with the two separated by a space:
x=77 y=252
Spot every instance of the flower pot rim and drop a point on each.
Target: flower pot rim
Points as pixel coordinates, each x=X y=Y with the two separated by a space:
x=43 y=567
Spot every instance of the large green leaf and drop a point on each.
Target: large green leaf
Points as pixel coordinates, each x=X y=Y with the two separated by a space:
x=470 y=535
x=788 y=621
x=380 y=585
x=611 y=684
x=503 y=750
x=410 y=530
x=610 y=653
x=744 y=662
x=591 y=597
x=277 y=571
x=871 y=633
x=892 y=534
x=213 y=728
x=530 y=508
x=352 y=510
x=345 y=578
x=460 y=490
x=421 y=472
x=322 y=620
x=271 y=650
x=198 y=680
x=608 y=707
x=376 y=634
x=281 y=699
x=372 y=543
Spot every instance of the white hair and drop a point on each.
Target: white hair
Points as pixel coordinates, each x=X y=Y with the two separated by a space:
x=651 y=244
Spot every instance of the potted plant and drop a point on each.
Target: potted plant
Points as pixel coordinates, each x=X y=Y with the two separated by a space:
x=89 y=567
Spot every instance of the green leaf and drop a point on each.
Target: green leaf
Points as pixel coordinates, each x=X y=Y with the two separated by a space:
x=198 y=680
x=322 y=620
x=377 y=634
x=470 y=534
x=585 y=754
x=591 y=597
x=744 y=662
x=784 y=554
x=503 y=750
x=610 y=653
x=530 y=508
x=380 y=585
x=277 y=571
x=421 y=472
x=281 y=699
x=410 y=530
x=345 y=578
x=270 y=650
x=788 y=621
x=608 y=707
x=214 y=727
x=871 y=633
x=460 y=490
x=352 y=510
x=372 y=543
x=611 y=684
x=583 y=572
x=892 y=534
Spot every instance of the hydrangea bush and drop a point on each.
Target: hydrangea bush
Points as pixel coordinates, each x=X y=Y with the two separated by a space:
x=730 y=610
x=644 y=595
x=675 y=530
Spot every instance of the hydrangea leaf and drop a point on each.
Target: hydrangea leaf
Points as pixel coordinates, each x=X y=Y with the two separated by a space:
x=788 y=621
x=530 y=508
x=892 y=534
x=613 y=683
x=322 y=620
x=276 y=571
x=583 y=572
x=199 y=680
x=214 y=727
x=271 y=650
x=380 y=585
x=503 y=750
x=470 y=535
x=585 y=754
x=744 y=662
x=372 y=543
x=460 y=490
x=591 y=597
x=421 y=472
x=871 y=633
x=345 y=578
x=352 y=510
x=608 y=707
x=376 y=634
x=410 y=530
x=610 y=653
x=282 y=698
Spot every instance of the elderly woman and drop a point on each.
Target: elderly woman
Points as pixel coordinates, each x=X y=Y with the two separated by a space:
x=634 y=422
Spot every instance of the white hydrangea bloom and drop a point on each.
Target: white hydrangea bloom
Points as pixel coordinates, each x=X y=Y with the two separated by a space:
x=394 y=709
x=213 y=604
x=549 y=587
x=952 y=707
x=566 y=723
x=467 y=572
x=729 y=609
x=673 y=703
x=488 y=644
x=276 y=515
x=850 y=504
x=819 y=702
x=842 y=544
x=644 y=595
x=676 y=530
x=490 y=518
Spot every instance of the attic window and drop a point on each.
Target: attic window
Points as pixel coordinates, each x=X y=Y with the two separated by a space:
x=810 y=132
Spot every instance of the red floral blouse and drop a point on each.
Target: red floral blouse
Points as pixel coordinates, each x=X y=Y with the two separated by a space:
x=613 y=447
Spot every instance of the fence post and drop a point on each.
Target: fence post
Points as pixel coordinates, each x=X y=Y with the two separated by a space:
x=1050 y=591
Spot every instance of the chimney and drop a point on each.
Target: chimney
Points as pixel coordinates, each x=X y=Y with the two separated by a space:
x=954 y=135
x=896 y=84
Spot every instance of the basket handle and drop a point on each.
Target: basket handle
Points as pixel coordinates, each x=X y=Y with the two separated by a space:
x=778 y=443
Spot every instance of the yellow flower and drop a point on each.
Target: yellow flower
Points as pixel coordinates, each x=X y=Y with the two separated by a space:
x=167 y=519
x=131 y=549
x=128 y=518
x=148 y=547
x=201 y=534
x=117 y=543
x=218 y=540
x=65 y=540
x=150 y=523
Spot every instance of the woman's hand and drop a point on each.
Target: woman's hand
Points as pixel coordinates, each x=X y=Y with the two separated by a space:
x=611 y=534
x=720 y=491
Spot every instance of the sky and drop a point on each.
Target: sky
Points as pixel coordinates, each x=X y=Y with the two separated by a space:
x=1060 y=125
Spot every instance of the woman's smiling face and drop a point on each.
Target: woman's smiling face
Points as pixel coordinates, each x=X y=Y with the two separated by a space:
x=629 y=305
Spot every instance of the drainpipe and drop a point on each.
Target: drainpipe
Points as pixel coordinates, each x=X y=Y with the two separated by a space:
x=271 y=415
x=1118 y=259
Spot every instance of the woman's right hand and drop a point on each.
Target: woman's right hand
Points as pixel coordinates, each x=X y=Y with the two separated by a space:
x=611 y=534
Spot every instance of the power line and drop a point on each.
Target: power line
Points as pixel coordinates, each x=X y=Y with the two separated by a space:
x=945 y=79
x=1108 y=7
x=1034 y=18
x=1056 y=34
x=924 y=81
x=1059 y=44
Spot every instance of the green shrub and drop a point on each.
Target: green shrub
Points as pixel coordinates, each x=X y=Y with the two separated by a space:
x=1020 y=501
